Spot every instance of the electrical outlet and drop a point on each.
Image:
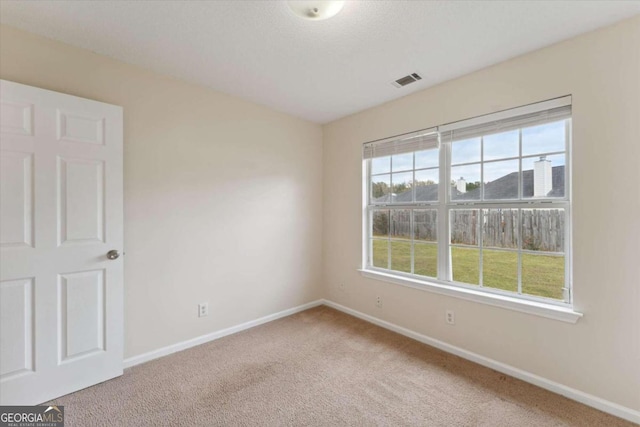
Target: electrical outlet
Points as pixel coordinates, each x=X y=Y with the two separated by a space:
x=379 y=302
x=450 y=317
x=203 y=309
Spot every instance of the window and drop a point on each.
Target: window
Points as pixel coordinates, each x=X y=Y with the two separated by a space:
x=483 y=203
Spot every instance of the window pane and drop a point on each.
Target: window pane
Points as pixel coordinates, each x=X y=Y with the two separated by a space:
x=380 y=165
x=501 y=145
x=380 y=188
x=543 y=230
x=427 y=159
x=425 y=259
x=543 y=176
x=465 y=151
x=401 y=256
x=380 y=256
x=500 y=270
x=401 y=186
x=501 y=180
x=380 y=223
x=425 y=225
x=500 y=228
x=427 y=185
x=465 y=183
x=402 y=162
x=543 y=275
x=546 y=138
x=465 y=265
x=401 y=224
x=464 y=226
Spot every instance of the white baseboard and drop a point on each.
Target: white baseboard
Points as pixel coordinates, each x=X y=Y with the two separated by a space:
x=173 y=348
x=571 y=393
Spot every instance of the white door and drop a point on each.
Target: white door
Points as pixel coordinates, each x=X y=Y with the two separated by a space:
x=61 y=212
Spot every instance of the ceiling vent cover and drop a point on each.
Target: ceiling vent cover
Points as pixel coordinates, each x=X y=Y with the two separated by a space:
x=403 y=81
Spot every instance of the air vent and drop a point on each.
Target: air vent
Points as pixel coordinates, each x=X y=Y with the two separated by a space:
x=403 y=81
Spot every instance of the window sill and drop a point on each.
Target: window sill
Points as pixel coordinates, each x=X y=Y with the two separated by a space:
x=550 y=311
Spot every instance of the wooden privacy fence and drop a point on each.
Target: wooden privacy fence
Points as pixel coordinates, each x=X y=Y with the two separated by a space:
x=425 y=224
x=542 y=229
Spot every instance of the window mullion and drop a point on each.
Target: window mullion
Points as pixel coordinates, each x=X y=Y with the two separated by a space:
x=568 y=279
x=413 y=180
x=389 y=215
x=520 y=179
x=482 y=168
x=413 y=242
x=480 y=231
x=481 y=214
x=369 y=235
x=444 y=261
x=568 y=252
x=368 y=213
x=520 y=197
x=519 y=251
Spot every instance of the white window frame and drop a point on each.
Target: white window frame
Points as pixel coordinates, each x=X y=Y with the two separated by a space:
x=443 y=284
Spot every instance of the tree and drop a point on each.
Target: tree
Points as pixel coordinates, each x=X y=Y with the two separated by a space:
x=401 y=188
x=379 y=189
x=380 y=223
x=473 y=185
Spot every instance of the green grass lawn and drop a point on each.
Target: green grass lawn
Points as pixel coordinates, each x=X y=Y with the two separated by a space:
x=542 y=275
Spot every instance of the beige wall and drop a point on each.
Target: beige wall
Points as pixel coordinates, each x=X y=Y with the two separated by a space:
x=222 y=197
x=600 y=354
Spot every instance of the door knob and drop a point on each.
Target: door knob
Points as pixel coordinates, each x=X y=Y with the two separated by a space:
x=113 y=254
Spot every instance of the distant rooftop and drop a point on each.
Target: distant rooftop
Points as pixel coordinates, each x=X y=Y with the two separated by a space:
x=505 y=187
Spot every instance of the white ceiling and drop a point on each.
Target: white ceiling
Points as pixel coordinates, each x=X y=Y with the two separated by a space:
x=323 y=70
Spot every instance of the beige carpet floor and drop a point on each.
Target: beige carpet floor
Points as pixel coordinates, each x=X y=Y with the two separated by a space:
x=320 y=368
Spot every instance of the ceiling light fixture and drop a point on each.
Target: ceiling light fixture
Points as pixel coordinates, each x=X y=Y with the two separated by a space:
x=316 y=10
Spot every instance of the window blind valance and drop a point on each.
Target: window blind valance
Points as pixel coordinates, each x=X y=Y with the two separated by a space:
x=407 y=143
x=501 y=121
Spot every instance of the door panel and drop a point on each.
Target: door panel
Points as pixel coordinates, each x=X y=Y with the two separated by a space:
x=79 y=127
x=17 y=118
x=16 y=194
x=81 y=314
x=80 y=201
x=61 y=212
x=16 y=306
